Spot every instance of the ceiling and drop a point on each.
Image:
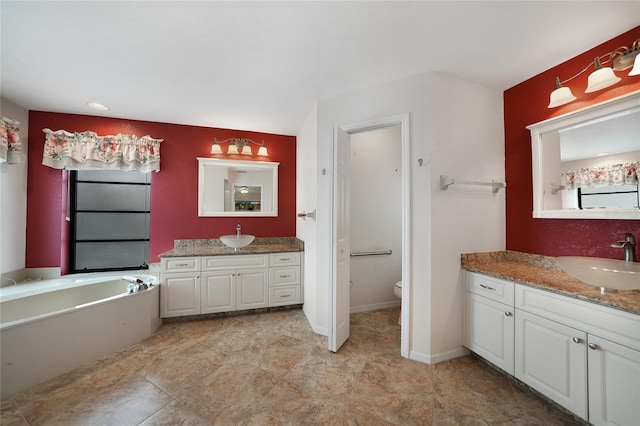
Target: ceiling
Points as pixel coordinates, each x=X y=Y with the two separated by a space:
x=261 y=65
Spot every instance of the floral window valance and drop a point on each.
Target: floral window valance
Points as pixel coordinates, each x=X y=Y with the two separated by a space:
x=85 y=150
x=611 y=174
x=10 y=147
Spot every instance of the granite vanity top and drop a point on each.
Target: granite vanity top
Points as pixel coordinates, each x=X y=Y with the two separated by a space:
x=542 y=272
x=215 y=247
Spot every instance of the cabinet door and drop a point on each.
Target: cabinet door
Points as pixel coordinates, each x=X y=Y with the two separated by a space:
x=180 y=294
x=614 y=383
x=218 y=292
x=251 y=288
x=552 y=358
x=489 y=330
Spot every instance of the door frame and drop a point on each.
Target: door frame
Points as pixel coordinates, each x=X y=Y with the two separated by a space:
x=402 y=120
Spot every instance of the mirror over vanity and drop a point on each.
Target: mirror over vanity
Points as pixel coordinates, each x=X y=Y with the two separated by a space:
x=228 y=188
x=585 y=163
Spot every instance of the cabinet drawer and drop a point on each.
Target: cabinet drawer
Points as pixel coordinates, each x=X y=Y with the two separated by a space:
x=210 y=263
x=179 y=264
x=286 y=295
x=284 y=276
x=284 y=259
x=613 y=324
x=496 y=289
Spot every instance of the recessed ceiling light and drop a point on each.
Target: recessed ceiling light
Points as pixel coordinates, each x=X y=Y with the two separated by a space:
x=602 y=154
x=96 y=105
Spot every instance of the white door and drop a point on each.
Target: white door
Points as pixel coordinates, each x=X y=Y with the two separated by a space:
x=614 y=383
x=180 y=294
x=552 y=358
x=339 y=330
x=489 y=330
x=252 y=288
x=218 y=291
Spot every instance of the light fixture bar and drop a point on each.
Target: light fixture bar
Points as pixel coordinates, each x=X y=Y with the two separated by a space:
x=238 y=146
x=602 y=77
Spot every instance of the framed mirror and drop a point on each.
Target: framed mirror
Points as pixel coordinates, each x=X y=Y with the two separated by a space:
x=228 y=188
x=585 y=163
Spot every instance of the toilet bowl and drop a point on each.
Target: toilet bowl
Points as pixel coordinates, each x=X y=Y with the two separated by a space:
x=397 y=290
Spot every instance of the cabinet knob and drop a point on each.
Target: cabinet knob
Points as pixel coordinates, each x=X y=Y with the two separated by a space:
x=509 y=314
x=486 y=287
x=593 y=346
x=577 y=340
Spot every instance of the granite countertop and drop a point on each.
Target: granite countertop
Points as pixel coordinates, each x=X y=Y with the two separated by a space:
x=542 y=272
x=215 y=247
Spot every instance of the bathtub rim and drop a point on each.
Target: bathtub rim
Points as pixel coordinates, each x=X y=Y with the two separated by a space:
x=24 y=321
x=33 y=287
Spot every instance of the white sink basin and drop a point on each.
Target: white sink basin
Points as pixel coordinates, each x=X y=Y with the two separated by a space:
x=608 y=274
x=237 y=242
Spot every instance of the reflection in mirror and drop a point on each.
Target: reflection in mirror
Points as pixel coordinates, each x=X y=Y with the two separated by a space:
x=245 y=198
x=237 y=188
x=585 y=164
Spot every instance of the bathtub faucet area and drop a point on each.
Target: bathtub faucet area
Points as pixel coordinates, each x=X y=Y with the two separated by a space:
x=135 y=284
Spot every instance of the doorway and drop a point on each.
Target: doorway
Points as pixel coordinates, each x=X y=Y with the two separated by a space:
x=341 y=239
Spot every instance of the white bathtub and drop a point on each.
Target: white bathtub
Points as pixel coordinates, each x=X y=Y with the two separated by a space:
x=48 y=327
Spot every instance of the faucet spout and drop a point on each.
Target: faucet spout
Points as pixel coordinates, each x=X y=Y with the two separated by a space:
x=238 y=230
x=629 y=246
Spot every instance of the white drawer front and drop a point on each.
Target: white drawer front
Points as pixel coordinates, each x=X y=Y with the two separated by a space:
x=284 y=259
x=179 y=264
x=493 y=288
x=613 y=324
x=288 y=295
x=210 y=263
x=284 y=276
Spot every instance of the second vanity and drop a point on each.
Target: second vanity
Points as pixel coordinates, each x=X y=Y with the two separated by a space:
x=204 y=277
x=556 y=334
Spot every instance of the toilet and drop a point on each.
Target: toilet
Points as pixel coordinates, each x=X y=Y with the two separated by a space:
x=397 y=290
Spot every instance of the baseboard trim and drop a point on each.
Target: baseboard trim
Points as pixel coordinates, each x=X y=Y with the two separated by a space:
x=375 y=306
x=321 y=331
x=440 y=357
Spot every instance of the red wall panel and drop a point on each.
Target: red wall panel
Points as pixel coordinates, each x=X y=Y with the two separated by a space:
x=174 y=190
x=526 y=104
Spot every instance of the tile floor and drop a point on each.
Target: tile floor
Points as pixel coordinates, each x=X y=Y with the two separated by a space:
x=270 y=368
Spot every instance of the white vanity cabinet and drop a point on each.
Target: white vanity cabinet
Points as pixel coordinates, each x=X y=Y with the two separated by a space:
x=234 y=283
x=180 y=290
x=584 y=356
x=489 y=319
x=212 y=284
x=285 y=283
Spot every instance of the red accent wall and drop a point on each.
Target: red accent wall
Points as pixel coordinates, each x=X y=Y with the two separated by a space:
x=526 y=104
x=174 y=190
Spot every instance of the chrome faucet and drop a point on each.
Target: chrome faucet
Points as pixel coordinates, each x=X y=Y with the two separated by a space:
x=239 y=228
x=629 y=246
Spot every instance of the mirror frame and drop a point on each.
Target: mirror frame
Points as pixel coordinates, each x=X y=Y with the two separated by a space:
x=538 y=130
x=264 y=165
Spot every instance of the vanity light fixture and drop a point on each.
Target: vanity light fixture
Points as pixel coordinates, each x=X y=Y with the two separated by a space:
x=602 y=77
x=238 y=146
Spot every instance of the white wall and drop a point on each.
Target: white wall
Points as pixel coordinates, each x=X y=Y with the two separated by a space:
x=390 y=99
x=376 y=217
x=467 y=143
x=13 y=198
x=456 y=129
